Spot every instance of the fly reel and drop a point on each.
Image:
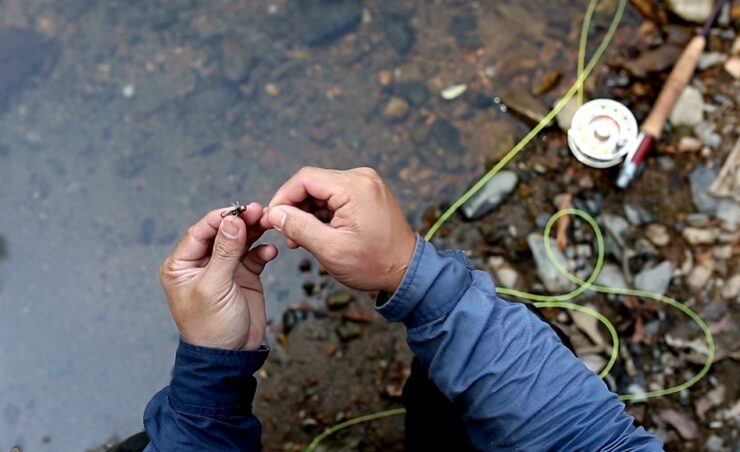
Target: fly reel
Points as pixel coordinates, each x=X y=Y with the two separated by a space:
x=602 y=132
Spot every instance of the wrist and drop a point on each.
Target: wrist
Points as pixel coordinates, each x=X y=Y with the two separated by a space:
x=401 y=262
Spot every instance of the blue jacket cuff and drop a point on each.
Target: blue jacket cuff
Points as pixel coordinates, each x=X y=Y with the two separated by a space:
x=214 y=382
x=437 y=277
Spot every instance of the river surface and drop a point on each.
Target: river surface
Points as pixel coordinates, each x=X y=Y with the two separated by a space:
x=123 y=122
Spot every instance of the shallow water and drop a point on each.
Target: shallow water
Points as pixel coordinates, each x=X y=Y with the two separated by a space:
x=127 y=120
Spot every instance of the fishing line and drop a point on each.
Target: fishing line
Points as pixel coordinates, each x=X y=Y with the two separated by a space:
x=561 y=301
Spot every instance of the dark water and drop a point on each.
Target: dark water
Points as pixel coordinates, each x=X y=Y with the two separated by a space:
x=122 y=122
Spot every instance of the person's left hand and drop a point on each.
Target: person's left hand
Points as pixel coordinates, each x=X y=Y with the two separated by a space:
x=212 y=281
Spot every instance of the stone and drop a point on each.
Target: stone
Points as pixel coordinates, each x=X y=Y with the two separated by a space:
x=689 y=108
x=237 y=61
x=338 y=300
x=399 y=34
x=616 y=226
x=700 y=180
x=453 y=92
x=348 y=330
x=728 y=211
x=655 y=279
x=731 y=290
x=553 y=280
x=463 y=27
x=696 y=11
x=709 y=60
x=414 y=91
x=23 y=55
x=657 y=234
x=637 y=214
x=490 y=196
x=697 y=236
x=396 y=109
x=732 y=66
x=699 y=277
x=324 y=21
x=565 y=116
x=503 y=273
x=715 y=444
x=706 y=132
x=445 y=134
x=594 y=362
x=611 y=276
x=689 y=144
x=523 y=103
x=697 y=220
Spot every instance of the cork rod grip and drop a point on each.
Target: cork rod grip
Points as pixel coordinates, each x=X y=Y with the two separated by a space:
x=674 y=86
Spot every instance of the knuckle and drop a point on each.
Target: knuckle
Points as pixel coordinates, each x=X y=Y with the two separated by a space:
x=223 y=250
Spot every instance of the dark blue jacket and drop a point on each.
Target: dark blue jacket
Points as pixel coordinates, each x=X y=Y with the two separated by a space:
x=520 y=388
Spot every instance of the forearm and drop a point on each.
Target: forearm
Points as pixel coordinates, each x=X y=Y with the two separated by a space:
x=519 y=387
x=208 y=405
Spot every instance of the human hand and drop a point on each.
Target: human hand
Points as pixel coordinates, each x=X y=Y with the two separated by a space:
x=212 y=281
x=349 y=221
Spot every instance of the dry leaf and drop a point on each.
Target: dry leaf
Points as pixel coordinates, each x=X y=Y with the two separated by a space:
x=710 y=400
x=683 y=424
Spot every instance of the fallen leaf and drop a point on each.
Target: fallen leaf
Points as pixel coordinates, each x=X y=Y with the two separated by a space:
x=561 y=234
x=683 y=424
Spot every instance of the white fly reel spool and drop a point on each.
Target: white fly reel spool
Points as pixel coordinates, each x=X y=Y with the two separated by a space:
x=601 y=133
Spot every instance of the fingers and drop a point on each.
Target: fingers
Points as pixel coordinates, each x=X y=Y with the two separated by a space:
x=227 y=250
x=258 y=257
x=196 y=243
x=321 y=184
x=301 y=228
x=252 y=216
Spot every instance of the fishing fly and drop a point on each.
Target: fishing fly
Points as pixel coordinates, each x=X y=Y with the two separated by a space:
x=236 y=209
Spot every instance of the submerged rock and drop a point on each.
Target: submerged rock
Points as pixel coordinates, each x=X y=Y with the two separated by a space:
x=400 y=34
x=553 y=280
x=396 y=109
x=490 y=196
x=327 y=20
x=655 y=279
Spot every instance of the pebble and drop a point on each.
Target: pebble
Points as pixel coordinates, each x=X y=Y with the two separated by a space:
x=697 y=220
x=396 y=109
x=548 y=274
x=722 y=252
x=731 y=290
x=729 y=212
x=616 y=226
x=638 y=215
x=655 y=279
x=348 y=331
x=696 y=11
x=525 y=104
x=732 y=66
x=689 y=144
x=715 y=444
x=711 y=59
x=323 y=21
x=705 y=131
x=492 y=194
x=338 y=300
x=453 y=92
x=700 y=180
x=699 y=277
x=689 y=108
x=697 y=236
x=565 y=116
x=666 y=163
x=400 y=34
x=503 y=273
x=611 y=276
x=414 y=91
x=657 y=234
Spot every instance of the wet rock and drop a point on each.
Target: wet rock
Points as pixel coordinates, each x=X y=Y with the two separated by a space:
x=338 y=300
x=325 y=21
x=731 y=290
x=565 y=116
x=689 y=144
x=214 y=97
x=706 y=132
x=549 y=275
x=24 y=54
x=490 y=196
x=611 y=276
x=478 y=100
x=414 y=91
x=689 y=108
x=700 y=180
x=348 y=331
x=523 y=103
x=697 y=236
x=237 y=61
x=446 y=134
x=696 y=11
x=657 y=234
x=396 y=109
x=400 y=34
x=548 y=81
x=464 y=28
x=655 y=279
x=699 y=277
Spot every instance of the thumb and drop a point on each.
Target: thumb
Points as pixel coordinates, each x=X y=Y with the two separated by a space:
x=301 y=227
x=228 y=248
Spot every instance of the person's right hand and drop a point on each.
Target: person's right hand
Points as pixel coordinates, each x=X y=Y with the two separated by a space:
x=349 y=221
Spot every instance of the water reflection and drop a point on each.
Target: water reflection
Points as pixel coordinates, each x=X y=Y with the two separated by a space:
x=122 y=122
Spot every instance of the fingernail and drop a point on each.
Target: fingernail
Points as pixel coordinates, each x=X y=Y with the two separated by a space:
x=229 y=228
x=277 y=217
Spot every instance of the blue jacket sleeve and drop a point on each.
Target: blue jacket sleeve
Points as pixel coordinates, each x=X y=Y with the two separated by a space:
x=208 y=404
x=519 y=387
